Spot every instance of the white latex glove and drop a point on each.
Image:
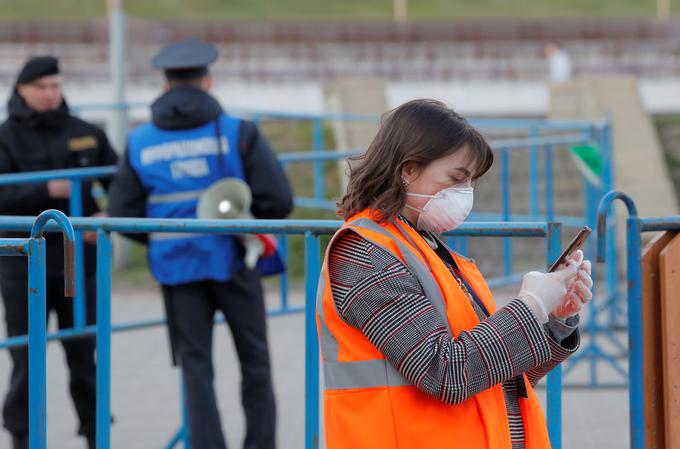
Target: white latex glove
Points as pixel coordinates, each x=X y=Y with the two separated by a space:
x=542 y=292
x=579 y=289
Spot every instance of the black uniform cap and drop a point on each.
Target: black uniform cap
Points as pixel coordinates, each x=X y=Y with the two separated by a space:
x=185 y=60
x=38 y=67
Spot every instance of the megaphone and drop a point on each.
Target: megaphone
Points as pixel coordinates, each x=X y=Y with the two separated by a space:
x=230 y=198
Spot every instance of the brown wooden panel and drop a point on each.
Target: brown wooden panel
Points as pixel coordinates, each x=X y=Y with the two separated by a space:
x=669 y=260
x=652 y=359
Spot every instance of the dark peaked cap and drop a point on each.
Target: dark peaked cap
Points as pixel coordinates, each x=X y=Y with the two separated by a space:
x=38 y=67
x=186 y=59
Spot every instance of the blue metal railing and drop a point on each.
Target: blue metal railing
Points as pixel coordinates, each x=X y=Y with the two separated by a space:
x=572 y=133
x=312 y=231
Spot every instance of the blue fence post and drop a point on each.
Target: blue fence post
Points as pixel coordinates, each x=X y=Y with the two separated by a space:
x=505 y=206
x=37 y=345
x=635 y=375
x=37 y=322
x=611 y=269
x=590 y=201
x=634 y=273
x=76 y=210
x=548 y=177
x=317 y=145
x=312 y=268
x=554 y=388
x=103 y=339
x=533 y=174
x=184 y=431
x=283 y=252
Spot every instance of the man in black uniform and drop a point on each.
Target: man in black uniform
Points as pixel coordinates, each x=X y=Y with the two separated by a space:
x=191 y=144
x=40 y=134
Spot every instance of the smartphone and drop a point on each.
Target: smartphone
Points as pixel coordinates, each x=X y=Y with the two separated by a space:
x=574 y=245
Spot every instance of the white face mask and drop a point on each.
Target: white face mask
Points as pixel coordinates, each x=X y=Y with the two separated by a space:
x=446 y=210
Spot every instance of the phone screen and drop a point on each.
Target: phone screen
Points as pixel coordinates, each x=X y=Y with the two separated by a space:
x=574 y=245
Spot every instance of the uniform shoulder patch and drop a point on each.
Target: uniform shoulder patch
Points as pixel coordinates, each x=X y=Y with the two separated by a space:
x=82 y=143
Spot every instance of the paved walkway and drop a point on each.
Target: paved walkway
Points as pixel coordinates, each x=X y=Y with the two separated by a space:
x=145 y=388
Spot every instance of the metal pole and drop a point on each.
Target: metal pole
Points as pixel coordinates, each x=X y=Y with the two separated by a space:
x=76 y=210
x=184 y=432
x=317 y=142
x=312 y=268
x=611 y=268
x=634 y=268
x=118 y=66
x=663 y=9
x=548 y=177
x=118 y=120
x=534 y=208
x=554 y=389
x=400 y=10
x=591 y=201
x=505 y=206
x=37 y=345
x=635 y=377
x=283 y=252
x=103 y=340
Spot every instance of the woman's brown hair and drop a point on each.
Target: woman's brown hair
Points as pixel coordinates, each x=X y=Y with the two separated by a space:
x=417 y=132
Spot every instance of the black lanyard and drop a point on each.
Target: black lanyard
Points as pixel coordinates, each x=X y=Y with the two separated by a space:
x=446 y=256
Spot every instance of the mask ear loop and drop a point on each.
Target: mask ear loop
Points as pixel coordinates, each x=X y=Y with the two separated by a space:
x=423 y=195
x=408 y=206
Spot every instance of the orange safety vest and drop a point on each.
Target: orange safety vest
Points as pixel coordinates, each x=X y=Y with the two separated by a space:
x=368 y=404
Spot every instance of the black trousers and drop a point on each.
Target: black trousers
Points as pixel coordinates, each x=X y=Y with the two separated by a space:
x=80 y=352
x=191 y=309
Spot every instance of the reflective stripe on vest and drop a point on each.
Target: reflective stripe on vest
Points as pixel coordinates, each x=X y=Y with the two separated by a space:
x=346 y=375
x=156 y=236
x=175 y=197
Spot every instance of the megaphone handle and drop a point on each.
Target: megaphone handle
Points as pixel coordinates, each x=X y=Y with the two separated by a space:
x=254 y=249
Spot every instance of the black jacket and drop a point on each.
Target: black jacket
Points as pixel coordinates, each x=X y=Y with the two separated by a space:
x=32 y=141
x=186 y=108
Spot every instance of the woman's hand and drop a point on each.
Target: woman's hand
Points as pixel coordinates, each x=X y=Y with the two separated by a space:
x=542 y=292
x=579 y=289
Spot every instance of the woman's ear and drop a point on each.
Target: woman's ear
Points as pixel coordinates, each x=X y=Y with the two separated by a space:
x=409 y=173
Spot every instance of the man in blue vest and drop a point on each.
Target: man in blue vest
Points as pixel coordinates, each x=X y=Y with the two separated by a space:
x=190 y=144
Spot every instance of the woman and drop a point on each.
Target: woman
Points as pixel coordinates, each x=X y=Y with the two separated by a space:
x=415 y=354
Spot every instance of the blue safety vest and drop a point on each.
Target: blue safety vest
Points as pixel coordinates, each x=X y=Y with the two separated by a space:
x=175 y=168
